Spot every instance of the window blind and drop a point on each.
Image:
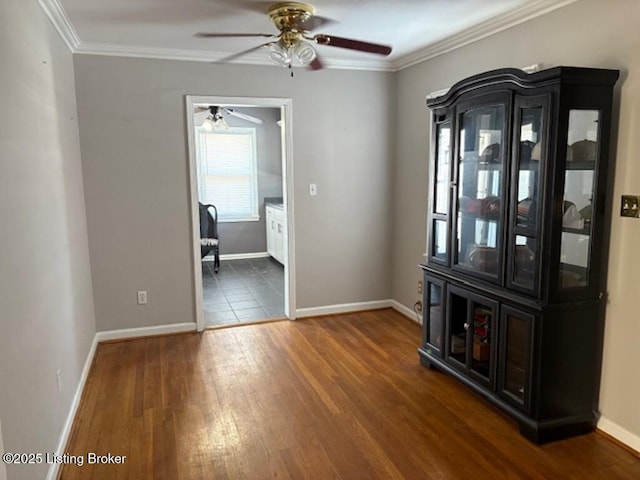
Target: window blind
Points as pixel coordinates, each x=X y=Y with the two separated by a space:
x=227 y=173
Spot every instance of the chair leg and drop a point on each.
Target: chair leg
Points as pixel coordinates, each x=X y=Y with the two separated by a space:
x=216 y=261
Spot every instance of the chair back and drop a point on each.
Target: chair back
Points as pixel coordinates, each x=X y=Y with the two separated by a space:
x=208 y=221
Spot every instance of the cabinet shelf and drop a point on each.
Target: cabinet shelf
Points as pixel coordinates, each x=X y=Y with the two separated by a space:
x=581 y=165
x=471 y=216
x=577 y=231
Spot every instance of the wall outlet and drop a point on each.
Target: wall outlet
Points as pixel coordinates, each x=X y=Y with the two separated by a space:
x=142 y=297
x=313 y=189
x=630 y=206
x=59 y=380
x=420 y=286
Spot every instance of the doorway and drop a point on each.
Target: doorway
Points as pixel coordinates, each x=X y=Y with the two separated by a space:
x=251 y=273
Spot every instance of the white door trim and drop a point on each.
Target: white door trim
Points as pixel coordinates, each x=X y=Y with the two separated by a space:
x=285 y=105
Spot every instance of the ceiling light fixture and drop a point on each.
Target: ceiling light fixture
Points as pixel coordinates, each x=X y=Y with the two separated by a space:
x=304 y=52
x=284 y=52
x=280 y=55
x=214 y=121
x=208 y=124
x=220 y=123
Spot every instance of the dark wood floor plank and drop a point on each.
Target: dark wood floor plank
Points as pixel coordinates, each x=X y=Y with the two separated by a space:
x=339 y=396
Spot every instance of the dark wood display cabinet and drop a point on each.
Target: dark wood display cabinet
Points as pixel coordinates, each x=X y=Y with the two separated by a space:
x=519 y=212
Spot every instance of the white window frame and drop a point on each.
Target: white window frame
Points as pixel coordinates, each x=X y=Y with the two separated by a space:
x=223 y=216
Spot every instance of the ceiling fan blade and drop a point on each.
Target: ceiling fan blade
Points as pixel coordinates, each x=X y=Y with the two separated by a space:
x=316 y=64
x=331 y=41
x=244 y=116
x=314 y=22
x=233 y=35
x=244 y=52
x=201 y=109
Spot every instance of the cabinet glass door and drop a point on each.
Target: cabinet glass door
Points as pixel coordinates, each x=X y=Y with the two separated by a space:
x=479 y=183
x=529 y=162
x=441 y=185
x=434 y=301
x=515 y=328
x=581 y=163
x=471 y=333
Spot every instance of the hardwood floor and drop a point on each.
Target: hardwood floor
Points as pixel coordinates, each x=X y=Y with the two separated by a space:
x=331 y=397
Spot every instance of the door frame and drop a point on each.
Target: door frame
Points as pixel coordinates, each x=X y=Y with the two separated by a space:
x=286 y=108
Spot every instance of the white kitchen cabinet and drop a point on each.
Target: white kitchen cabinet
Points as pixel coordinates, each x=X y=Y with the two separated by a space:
x=275 y=232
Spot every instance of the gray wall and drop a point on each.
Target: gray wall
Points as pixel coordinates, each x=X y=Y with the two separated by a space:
x=251 y=237
x=46 y=304
x=587 y=33
x=135 y=164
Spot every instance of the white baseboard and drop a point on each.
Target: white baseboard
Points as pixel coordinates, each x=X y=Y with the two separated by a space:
x=145 y=331
x=621 y=434
x=343 y=308
x=406 y=311
x=52 y=474
x=359 y=306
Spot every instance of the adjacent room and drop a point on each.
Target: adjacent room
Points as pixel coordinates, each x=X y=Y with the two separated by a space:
x=417 y=221
x=239 y=160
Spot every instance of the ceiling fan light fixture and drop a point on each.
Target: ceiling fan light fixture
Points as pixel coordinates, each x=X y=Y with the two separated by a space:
x=220 y=123
x=280 y=54
x=304 y=52
x=208 y=124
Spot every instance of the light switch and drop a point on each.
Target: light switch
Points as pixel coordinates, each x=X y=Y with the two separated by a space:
x=313 y=189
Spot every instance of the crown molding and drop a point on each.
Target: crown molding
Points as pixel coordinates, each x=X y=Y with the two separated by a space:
x=115 y=50
x=133 y=51
x=495 y=25
x=61 y=22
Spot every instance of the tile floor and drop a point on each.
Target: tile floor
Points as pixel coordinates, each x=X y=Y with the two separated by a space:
x=243 y=291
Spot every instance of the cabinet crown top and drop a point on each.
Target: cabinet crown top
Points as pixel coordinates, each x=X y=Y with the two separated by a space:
x=519 y=78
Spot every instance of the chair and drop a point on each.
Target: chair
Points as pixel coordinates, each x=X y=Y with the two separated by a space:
x=209 y=241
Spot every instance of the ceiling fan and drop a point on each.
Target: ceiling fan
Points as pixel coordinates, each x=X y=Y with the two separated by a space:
x=295 y=22
x=215 y=119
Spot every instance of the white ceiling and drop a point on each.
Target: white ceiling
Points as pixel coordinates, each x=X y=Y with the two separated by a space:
x=416 y=29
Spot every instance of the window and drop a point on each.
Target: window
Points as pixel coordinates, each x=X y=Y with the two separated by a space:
x=227 y=173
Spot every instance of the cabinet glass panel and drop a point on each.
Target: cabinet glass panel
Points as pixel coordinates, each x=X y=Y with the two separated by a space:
x=582 y=154
x=515 y=356
x=526 y=184
x=434 y=315
x=458 y=324
x=480 y=180
x=482 y=338
x=442 y=167
x=529 y=166
x=524 y=262
x=439 y=241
